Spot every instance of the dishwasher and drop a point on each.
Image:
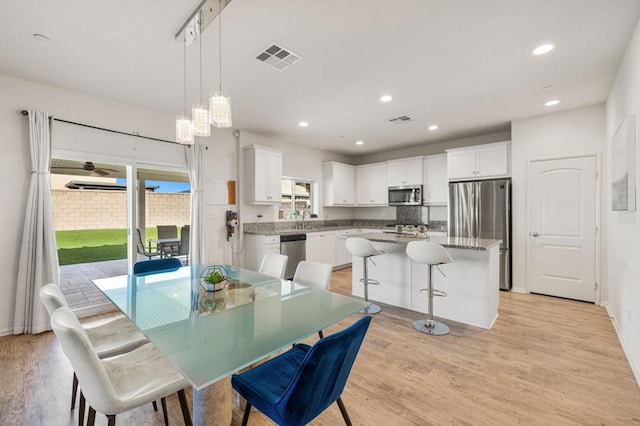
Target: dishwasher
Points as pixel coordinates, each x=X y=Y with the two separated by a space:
x=294 y=246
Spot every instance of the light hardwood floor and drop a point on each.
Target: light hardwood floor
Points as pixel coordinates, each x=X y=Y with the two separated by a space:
x=546 y=361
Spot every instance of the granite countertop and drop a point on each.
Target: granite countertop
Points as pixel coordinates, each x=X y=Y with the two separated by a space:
x=449 y=242
x=307 y=230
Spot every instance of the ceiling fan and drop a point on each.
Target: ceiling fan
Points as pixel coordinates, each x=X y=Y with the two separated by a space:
x=88 y=166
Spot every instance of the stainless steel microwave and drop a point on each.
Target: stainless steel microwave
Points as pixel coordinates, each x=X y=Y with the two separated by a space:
x=407 y=195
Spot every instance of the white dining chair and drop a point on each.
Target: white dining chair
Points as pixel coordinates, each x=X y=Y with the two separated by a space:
x=274 y=265
x=109 y=337
x=313 y=274
x=115 y=385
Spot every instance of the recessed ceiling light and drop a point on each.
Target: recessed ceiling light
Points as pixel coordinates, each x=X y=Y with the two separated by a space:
x=40 y=37
x=433 y=127
x=359 y=142
x=303 y=124
x=552 y=103
x=386 y=98
x=542 y=49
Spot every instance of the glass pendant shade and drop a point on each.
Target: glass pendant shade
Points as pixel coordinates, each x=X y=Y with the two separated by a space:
x=220 y=109
x=200 y=116
x=184 y=130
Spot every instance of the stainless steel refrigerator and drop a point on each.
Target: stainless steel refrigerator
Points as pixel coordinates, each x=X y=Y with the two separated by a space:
x=482 y=209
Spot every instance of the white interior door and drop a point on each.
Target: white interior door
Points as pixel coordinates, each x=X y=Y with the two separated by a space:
x=562 y=234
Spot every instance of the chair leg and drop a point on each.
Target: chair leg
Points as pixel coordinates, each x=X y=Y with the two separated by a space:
x=163 y=401
x=111 y=420
x=82 y=408
x=74 y=391
x=185 y=408
x=320 y=334
x=343 y=410
x=91 y=418
x=247 y=412
x=155 y=405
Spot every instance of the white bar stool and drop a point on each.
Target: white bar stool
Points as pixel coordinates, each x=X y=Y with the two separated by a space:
x=363 y=248
x=431 y=254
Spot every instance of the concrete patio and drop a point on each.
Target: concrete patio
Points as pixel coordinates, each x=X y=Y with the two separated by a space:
x=76 y=285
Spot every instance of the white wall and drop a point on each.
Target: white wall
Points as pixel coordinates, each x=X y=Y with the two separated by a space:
x=624 y=227
x=567 y=133
x=15 y=163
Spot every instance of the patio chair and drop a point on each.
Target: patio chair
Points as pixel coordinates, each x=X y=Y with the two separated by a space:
x=142 y=250
x=183 y=247
x=168 y=231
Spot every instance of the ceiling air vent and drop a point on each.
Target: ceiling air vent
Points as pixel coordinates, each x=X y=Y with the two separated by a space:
x=401 y=119
x=278 y=57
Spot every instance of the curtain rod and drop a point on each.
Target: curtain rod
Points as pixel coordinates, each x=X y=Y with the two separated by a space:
x=25 y=113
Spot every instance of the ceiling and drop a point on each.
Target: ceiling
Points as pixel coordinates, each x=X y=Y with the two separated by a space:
x=465 y=65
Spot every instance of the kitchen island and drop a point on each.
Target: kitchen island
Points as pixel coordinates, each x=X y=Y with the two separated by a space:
x=472 y=281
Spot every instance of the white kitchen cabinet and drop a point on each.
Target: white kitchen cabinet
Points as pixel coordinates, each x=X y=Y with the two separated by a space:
x=343 y=257
x=321 y=247
x=256 y=246
x=478 y=162
x=263 y=175
x=435 y=185
x=407 y=171
x=371 y=185
x=339 y=184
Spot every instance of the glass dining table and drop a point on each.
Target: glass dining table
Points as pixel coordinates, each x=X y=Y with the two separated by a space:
x=211 y=335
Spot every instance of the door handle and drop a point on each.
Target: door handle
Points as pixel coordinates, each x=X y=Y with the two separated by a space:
x=534 y=234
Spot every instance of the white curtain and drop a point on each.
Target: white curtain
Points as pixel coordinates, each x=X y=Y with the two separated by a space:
x=38 y=255
x=197 y=249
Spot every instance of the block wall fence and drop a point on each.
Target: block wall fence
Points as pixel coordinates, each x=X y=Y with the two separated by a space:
x=86 y=209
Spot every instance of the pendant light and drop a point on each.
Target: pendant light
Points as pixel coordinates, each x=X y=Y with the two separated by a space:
x=184 y=125
x=200 y=112
x=220 y=102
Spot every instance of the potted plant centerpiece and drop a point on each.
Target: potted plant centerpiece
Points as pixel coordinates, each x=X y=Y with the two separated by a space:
x=213 y=278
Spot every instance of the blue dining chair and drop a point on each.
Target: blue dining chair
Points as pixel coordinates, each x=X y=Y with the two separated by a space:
x=295 y=387
x=156 y=265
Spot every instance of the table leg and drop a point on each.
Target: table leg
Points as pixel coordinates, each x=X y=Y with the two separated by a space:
x=212 y=405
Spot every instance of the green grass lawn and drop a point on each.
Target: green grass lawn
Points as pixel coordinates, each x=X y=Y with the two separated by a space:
x=94 y=245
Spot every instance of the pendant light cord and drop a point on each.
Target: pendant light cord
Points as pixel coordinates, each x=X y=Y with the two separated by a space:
x=184 y=50
x=200 y=44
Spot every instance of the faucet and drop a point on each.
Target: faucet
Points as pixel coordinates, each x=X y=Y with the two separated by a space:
x=303 y=213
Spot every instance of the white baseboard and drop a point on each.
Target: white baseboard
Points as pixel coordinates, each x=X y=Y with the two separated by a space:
x=519 y=290
x=6 y=331
x=635 y=368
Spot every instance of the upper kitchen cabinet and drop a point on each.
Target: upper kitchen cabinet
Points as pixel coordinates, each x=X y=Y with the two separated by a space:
x=478 y=162
x=263 y=175
x=407 y=171
x=371 y=185
x=339 y=184
x=435 y=185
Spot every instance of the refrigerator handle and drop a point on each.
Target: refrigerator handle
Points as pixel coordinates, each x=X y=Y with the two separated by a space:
x=507 y=215
x=475 y=232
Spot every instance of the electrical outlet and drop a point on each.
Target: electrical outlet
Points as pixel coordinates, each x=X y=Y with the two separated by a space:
x=384 y=214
